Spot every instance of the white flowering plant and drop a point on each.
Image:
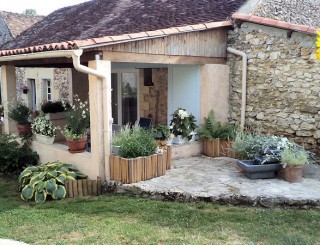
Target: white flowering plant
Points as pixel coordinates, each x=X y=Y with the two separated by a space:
x=182 y=123
x=43 y=126
x=78 y=120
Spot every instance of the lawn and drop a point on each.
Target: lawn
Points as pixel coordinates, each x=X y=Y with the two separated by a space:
x=113 y=219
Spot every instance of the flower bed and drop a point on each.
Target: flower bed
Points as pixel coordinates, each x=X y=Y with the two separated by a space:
x=132 y=170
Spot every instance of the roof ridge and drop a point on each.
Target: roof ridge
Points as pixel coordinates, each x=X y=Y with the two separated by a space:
x=275 y=23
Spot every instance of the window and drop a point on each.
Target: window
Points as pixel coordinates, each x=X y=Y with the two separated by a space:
x=47 y=89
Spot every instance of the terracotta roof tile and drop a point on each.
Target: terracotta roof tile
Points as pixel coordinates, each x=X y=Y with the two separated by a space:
x=275 y=23
x=96 y=18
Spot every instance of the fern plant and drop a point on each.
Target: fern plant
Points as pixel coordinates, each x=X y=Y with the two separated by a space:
x=48 y=179
x=212 y=129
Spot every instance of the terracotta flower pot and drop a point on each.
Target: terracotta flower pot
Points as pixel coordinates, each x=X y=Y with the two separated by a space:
x=24 y=129
x=293 y=174
x=77 y=146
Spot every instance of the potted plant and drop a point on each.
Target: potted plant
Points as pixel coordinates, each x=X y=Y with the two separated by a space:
x=21 y=115
x=217 y=136
x=75 y=131
x=161 y=134
x=24 y=88
x=138 y=156
x=293 y=159
x=182 y=124
x=44 y=129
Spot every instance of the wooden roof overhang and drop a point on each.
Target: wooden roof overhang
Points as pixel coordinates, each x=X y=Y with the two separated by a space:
x=195 y=44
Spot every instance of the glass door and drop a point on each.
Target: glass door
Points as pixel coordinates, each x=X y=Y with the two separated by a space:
x=124 y=97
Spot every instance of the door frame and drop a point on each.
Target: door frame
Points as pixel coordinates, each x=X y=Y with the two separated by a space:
x=119 y=80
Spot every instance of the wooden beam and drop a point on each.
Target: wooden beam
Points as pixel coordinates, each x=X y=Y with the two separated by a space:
x=160 y=59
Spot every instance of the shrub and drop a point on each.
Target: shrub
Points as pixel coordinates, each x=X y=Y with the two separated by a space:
x=135 y=143
x=161 y=132
x=15 y=155
x=293 y=156
x=246 y=144
x=212 y=129
x=19 y=113
x=55 y=106
x=47 y=180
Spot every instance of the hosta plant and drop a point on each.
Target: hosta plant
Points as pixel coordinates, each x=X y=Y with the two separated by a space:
x=47 y=180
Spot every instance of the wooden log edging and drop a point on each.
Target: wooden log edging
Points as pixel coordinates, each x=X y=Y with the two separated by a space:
x=138 y=169
x=218 y=148
x=83 y=187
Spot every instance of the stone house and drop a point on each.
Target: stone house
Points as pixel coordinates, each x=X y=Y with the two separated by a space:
x=283 y=76
x=43 y=83
x=184 y=45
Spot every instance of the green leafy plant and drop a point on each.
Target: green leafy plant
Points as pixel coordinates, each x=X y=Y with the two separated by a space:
x=47 y=180
x=293 y=156
x=41 y=125
x=161 y=132
x=246 y=144
x=15 y=155
x=78 y=119
x=212 y=129
x=19 y=113
x=182 y=123
x=135 y=142
x=55 y=106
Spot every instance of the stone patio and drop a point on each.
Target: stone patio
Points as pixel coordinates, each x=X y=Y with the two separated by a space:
x=218 y=180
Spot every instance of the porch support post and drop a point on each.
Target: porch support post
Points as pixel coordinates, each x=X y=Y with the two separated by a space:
x=99 y=148
x=9 y=94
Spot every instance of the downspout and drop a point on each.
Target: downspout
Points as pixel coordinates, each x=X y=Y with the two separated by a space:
x=84 y=69
x=244 y=83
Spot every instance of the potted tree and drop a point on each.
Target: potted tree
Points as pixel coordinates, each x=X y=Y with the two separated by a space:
x=75 y=131
x=293 y=159
x=21 y=115
x=217 y=136
x=182 y=124
x=44 y=129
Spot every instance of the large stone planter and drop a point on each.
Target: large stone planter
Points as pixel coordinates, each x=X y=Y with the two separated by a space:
x=253 y=171
x=217 y=148
x=59 y=120
x=138 y=169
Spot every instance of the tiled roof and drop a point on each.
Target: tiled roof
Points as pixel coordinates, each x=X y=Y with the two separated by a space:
x=100 y=18
x=275 y=23
x=108 y=40
x=18 y=23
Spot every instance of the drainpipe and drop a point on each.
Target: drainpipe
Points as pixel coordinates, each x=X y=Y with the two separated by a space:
x=244 y=82
x=84 y=69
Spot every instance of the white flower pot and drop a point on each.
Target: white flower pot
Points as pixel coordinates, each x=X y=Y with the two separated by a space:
x=45 y=139
x=179 y=140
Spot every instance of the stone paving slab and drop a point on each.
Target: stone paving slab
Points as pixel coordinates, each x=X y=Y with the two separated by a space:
x=219 y=180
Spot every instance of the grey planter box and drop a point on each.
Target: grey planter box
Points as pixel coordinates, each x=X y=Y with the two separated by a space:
x=264 y=171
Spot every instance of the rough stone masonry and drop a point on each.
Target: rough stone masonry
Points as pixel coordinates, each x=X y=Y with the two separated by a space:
x=283 y=83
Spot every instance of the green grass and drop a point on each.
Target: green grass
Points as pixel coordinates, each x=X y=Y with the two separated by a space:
x=112 y=219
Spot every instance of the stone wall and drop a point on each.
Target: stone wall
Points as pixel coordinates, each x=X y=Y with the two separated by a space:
x=61 y=83
x=153 y=99
x=301 y=12
x=283 y=87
